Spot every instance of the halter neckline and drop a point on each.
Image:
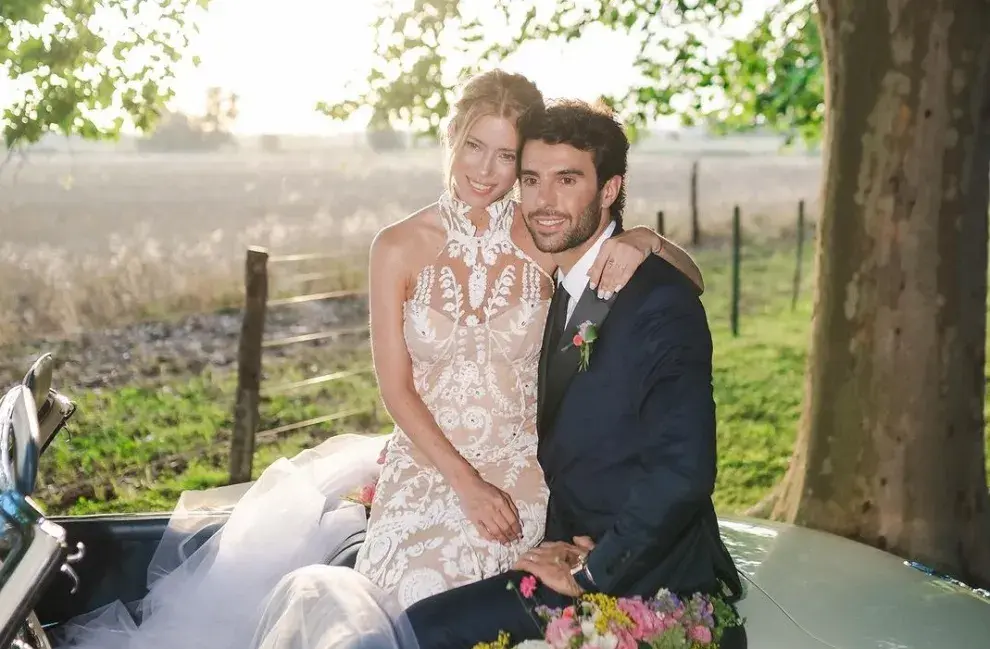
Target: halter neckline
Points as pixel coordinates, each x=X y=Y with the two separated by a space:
x=454 y=214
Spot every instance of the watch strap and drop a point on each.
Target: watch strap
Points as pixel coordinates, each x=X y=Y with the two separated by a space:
x=582 y=576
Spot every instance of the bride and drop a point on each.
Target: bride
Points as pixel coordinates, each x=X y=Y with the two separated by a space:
x=458 y=298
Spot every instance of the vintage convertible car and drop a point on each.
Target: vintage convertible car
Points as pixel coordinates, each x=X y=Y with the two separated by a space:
x=804 y=589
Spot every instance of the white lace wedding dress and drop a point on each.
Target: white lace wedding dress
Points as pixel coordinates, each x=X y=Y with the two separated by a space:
x=474 y=328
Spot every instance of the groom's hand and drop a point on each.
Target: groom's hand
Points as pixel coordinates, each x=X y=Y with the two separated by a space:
x=551 y=563
x=555 y=575
x=554 y=552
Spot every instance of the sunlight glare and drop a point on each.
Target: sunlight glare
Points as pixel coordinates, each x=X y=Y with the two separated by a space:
x=283 y=58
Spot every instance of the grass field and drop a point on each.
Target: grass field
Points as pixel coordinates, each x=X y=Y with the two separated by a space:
x=758 y=378
x=102 y=465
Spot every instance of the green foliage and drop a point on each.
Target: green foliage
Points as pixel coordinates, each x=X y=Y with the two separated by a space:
x=769 y=77
x=110 y=457
x=82 y=67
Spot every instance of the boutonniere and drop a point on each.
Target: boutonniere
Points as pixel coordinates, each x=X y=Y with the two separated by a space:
x=585 y=337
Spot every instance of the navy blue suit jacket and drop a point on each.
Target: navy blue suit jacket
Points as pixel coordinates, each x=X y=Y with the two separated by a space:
x=628 y=445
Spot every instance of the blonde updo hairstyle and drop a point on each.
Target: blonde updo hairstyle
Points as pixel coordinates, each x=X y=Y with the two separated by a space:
x=495 y=93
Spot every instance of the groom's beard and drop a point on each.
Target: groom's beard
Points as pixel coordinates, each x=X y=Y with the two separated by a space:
x=580 y=230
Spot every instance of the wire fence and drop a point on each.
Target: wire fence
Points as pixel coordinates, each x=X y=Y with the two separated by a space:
x=258 y=266
x=252 y=342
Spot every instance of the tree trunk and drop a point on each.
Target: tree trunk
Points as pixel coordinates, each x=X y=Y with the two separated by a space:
x=891 y=449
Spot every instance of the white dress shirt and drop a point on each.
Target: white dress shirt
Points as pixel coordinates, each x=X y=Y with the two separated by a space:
x=576 y=279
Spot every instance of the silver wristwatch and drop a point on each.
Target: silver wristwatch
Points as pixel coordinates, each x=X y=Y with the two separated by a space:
x=583 y=576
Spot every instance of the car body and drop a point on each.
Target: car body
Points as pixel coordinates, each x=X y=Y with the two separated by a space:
x=803 y=589
x=807 y=589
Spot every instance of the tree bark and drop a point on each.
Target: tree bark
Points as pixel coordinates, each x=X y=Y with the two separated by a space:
x=891 y=444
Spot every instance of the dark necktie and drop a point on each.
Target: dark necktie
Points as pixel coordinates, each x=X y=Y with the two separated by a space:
x=558 y=316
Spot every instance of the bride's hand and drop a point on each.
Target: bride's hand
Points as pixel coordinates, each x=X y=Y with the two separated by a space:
x=619 y=258
x=490 y=509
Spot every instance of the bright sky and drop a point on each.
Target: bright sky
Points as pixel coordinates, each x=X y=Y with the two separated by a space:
x=282 y=62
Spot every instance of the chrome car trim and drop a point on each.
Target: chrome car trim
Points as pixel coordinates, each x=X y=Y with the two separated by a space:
x=35 y=556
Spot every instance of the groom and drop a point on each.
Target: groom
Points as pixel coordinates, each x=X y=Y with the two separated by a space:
x=627 y=439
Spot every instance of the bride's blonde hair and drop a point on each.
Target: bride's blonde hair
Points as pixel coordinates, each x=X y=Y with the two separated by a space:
x=495 y=93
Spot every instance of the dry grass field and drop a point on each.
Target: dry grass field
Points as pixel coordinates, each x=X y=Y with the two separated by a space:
x=93 y=239
x=81 y=202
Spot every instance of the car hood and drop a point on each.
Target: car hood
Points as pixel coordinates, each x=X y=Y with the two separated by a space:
x=846 y=595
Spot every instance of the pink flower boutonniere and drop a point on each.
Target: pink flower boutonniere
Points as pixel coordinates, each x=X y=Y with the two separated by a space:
x=585 y=337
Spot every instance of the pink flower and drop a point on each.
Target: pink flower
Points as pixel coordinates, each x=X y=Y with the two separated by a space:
x=560 y=631
x=701 y=634
x=577 y=340
x=569 y=612
x=368 y=493
x=527 y=586
x=646 y=623
x=626 y=639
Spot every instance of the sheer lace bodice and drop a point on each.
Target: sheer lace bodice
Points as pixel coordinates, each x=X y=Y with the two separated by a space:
x=473 y=327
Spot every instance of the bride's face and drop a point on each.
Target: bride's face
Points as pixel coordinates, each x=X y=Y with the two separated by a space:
x=483 y=169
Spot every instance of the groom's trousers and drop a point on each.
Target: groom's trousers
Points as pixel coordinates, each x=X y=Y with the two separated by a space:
x=464 y=616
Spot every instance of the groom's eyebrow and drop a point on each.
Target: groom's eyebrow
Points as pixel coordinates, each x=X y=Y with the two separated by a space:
x=562 y=172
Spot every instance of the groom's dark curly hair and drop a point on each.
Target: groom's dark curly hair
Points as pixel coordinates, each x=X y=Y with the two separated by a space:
x=586 y=127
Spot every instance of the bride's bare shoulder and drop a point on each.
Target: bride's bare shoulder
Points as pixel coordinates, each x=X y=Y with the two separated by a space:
x=419 y=234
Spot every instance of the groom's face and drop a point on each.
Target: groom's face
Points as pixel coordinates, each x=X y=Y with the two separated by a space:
x=561 y=200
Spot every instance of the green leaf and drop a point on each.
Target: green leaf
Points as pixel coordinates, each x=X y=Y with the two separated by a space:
x=63 y=72
x=770 y=77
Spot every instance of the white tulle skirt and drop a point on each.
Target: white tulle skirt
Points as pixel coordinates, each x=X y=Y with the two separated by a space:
x=259 y=582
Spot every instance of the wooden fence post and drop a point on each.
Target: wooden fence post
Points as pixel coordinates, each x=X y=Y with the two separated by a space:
x=695 y=225
x=660 y=224
x=736 y=262
x=800 y=256
x=246 y=413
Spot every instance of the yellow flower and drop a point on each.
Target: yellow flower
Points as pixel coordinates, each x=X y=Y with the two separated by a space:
x=501 y=643
x=609 y=612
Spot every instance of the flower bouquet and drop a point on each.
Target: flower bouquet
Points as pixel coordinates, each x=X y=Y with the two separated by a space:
x=665 y=621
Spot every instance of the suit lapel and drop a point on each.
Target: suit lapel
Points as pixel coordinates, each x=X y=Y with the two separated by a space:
x=545 y=351
x=560 y=364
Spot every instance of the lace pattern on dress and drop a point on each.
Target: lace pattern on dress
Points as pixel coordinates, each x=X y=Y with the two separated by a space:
x=473 y=327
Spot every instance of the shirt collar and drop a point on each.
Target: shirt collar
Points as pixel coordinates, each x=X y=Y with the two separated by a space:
x=575 y=281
